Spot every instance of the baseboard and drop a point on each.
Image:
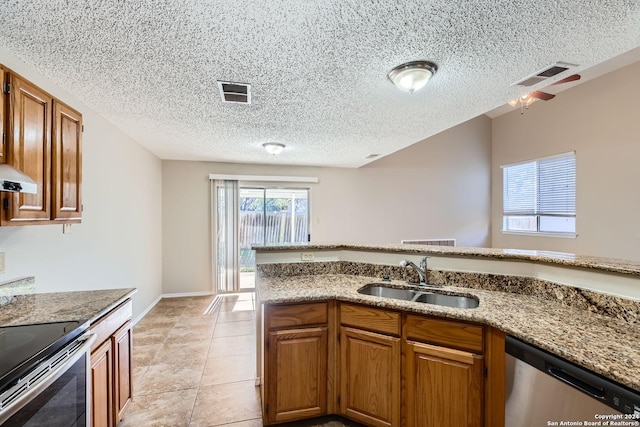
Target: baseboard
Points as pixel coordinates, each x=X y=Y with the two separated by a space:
x=175 y=295
x=146 y=310
x=187 y=294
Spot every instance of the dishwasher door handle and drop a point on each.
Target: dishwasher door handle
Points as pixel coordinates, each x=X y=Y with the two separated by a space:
x=566 y=377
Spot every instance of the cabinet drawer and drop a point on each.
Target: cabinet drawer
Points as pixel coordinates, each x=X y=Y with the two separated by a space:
x=373 y=319
x=285 y=316
x=445 y=332
x=108 y=324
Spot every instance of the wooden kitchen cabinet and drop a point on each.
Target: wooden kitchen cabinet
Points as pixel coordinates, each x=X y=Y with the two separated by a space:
x=42 y=138
x=102 y=385
x=370 y=354
x=296 y=362
x=444 y=386
x=122 y=344
x=443 y=374
x=369 y=377
x=392 y=368
x=111 y=357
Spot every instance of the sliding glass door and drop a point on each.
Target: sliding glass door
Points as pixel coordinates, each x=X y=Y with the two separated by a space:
x=247 y=216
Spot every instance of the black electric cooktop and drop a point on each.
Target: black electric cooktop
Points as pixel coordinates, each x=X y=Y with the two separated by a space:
x=23 y=347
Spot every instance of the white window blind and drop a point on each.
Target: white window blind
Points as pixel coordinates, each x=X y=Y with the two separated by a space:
x=540 y=196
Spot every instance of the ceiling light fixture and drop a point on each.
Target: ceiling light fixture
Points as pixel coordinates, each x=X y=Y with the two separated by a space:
x=524 y=101
x=273 y=148
x=412 y=76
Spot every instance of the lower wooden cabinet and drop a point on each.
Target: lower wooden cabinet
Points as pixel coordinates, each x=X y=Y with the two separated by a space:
x=297 y=363
x=122 y=342
x=369 y=377
x=111 y=367
x=390 y=368
x=444 y=386
x=102 y=385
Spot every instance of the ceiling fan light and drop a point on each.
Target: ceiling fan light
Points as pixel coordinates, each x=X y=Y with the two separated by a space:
x=273 y=148
x=412 y=76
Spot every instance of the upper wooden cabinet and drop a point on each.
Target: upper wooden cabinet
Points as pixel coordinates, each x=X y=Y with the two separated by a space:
x=66 y=163
x=42 y=138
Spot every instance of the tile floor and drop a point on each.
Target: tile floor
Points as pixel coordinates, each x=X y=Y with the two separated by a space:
x=195 y=368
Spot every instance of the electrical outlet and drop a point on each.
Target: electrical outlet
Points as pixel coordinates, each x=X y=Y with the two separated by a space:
x=308 y=256
x=66 y=228
x=1 y=262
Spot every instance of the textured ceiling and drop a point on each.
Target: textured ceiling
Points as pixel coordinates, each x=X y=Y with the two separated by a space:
x=317 y=69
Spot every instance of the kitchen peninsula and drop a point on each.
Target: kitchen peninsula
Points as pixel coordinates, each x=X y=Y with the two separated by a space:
x=583 y=309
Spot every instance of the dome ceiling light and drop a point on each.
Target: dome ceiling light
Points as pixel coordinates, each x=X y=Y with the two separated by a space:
x=412 y=76
x=273 y=148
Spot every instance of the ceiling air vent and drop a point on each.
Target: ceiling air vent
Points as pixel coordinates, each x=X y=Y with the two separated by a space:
x=372 y=156
x=548 y=72
x=237 y=93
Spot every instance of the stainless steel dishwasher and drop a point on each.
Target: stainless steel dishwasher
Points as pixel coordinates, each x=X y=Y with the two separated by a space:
x=545 y=390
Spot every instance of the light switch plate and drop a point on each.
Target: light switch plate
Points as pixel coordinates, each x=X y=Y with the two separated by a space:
x=308 y=256
x=66 y=228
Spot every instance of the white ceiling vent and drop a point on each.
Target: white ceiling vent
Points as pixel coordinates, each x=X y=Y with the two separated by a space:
x=546 y=73
x=237 y=93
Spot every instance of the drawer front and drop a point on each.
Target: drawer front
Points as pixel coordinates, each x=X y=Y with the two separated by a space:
x=448 y=333
x=108 y=324
x=285 y=316
x=373 y=319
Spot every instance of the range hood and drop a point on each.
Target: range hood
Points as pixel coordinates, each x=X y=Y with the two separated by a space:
x=15 y=181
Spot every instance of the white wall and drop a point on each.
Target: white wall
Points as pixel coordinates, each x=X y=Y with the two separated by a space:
x=118 y=243
x=438 y=188
x=600 y=121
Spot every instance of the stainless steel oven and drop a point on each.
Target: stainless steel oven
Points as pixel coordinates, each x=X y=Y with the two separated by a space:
x=45 y=386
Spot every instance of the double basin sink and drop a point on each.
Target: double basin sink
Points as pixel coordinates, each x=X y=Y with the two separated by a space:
x=415 y=295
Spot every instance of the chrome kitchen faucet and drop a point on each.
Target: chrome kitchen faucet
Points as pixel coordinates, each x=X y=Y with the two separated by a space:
x=422 y=270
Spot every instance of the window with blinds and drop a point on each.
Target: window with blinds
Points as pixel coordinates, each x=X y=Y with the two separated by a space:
x=540 y=196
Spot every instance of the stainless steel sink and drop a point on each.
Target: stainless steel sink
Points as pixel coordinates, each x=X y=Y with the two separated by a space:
x=387 y=292
x=457 y=301
x=426 y=296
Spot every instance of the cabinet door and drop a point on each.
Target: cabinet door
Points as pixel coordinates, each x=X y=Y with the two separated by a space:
x=444 y=387
x=67 y=163
x=123 y=387
x=101 y=386
x=296 y=361
x=29 y=150
x=370 y=377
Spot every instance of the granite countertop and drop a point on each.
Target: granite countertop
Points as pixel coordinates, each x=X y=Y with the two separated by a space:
x=81 y=306
x=545 y=257
x=603 y=344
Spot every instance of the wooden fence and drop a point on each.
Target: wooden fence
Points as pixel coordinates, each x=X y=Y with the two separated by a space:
x=277 y=229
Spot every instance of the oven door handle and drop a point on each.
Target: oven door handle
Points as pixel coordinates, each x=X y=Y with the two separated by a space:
x=50 y=378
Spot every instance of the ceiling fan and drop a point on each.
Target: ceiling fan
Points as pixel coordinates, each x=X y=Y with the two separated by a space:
x=531 y=97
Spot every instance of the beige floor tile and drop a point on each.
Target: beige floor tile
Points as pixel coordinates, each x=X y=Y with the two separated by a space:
x=237 y=306
x=195 y=320
x=228 y=369
x=227 y=346
x=190 y=333
x=248 y=423
x=181 y=353
x=234 y=316
x=172 y=409
x=170 y=377
x=226 y=403
x=242 y=327
x=143 y=354
x=150 y=336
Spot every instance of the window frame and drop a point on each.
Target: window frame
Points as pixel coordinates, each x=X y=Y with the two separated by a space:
x=534 y=212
